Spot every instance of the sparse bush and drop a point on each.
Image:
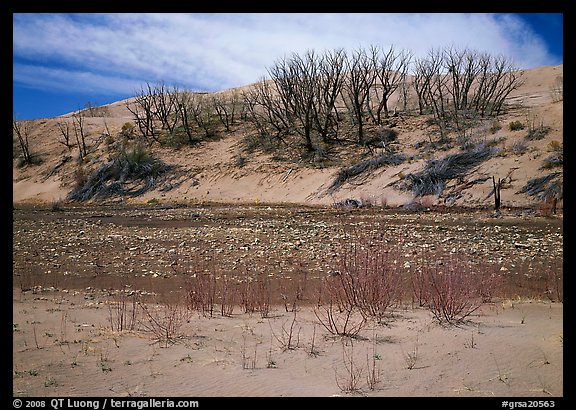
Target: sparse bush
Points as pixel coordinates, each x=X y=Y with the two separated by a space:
x=335 y=310
x=557 y=89
x=370 y=277
x=80 y=177
x=494 y=142
x=178 y=139
x=452 y=287
x=109 y=140
x=288 y=338
x=226 y=295
x=240 y=160
x=553 y=161
x=519 y=147
x=545 y=187
x=201 y=292
x=382 y=138
x=127 y=130
x=364 y=285
x=495 y=127
x=556 y=159
x=123 y=311
x=465 y=142
x=516 y=126
x=554 y=146
x=537 y=133
x=411 y=358
x=56 y=206
x=350 y=381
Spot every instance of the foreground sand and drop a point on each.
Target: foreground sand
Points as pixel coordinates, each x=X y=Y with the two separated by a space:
x=63 y=345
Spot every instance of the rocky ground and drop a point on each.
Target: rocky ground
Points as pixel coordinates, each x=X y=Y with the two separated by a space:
x=155 y=248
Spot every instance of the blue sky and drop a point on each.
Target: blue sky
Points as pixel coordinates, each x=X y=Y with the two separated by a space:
x=61 y=62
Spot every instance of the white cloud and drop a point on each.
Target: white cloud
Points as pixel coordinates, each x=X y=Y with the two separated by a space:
x=56 y=79
x=219 y=51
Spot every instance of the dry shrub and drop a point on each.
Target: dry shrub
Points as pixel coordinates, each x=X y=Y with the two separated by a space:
x=350 y=381
x=335 y=310
x=201 y=292
x=226 y=292
x=454 y=290
x=123 y=311
x=370 y=275
x=287 y=337
x=366 y=283
x=164 y=321
x=256 y=294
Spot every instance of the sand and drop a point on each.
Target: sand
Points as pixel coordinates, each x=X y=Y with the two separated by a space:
x=64 y=345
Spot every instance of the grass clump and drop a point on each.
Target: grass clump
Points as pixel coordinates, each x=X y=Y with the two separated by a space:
x=364 y=166
x=432 y=179
x=537 y=133
x=543 y=188
x=132 y=172
x=516 y=126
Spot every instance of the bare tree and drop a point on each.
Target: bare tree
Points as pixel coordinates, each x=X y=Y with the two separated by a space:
x=421 y=83
x=201 y=111
x=329 y=85
x=78 y=123
x=64 y=128
x=390 y=68
x=497 y=78
x=267 y=111
x=357 y=86
x=463 y=67
x=22 y=130
x=144 y=113
x=437 y=91
x=165 y=106
x=431 y=87
x=455 y=82
x=226 y=107
x=507 y=78
x=184 y=104
x=295 y=81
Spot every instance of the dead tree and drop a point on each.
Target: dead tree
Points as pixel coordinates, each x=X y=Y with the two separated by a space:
x=267 y=111
x=80 y=133
x=497 y=187
x=22 y=130
x=184 y=103
x=295 y=81
x=165 y=106
x=142 y=108
x=390 y=68
x=64 y=128
x=421 y=83
x=359 y=81
x=328 y=88
x=497 y=78
x=225 y=107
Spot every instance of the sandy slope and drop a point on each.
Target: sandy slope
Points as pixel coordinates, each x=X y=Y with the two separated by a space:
x=210 y=173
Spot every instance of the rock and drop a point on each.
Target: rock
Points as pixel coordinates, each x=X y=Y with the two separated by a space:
x=522 y=245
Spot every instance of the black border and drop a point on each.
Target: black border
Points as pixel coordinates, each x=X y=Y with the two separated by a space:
x=245 y=7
